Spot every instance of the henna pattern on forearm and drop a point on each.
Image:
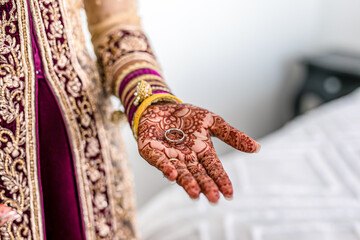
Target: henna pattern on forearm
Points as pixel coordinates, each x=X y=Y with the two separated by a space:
x=197 y=167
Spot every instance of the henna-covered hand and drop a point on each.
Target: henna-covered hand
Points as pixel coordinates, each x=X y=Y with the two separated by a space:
x=198 y=169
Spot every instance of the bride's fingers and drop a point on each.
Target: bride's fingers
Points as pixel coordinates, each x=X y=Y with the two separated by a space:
x=221 y=129
x=215 y=170
x=159 y=160
x=207 y=185
x=185 y=179
x=7 y=214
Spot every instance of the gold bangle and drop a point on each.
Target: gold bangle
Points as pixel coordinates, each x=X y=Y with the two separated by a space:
x=130 y=69
x=153 y=89
x=146 y=103
x=160 y=88
x=130 y=104
x=140 y=57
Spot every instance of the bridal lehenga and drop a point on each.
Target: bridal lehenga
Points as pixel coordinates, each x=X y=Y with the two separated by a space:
x=62 y=164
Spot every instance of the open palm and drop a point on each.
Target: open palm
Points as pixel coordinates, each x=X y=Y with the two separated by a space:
x=193 y=163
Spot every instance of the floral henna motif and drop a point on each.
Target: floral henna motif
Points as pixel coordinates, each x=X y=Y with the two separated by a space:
x=193 y=163
x=233 y=137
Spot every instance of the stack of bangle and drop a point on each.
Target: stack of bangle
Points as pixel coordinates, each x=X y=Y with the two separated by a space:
x=139 y=86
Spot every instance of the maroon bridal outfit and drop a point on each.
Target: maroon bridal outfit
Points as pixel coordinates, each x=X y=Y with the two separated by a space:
x=58 y=178
x=62 y=161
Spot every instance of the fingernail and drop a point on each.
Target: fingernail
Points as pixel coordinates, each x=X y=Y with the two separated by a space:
x=229 y=198
x=13 y=216
x=8 y=217
x=258 y=149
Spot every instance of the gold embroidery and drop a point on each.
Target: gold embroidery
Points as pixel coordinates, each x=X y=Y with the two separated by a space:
x=115 y=21
x=73 y=78
x=17 y=133
x=70 y=90
x=118 y=45
x=119 y=178
x=18 y=170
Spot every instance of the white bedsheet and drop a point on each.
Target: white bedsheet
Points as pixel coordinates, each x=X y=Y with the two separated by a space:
x=303 y=185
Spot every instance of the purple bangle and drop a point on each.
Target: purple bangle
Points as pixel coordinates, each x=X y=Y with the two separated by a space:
x=126 y=107
x=131 y=109
x=160 y=91
x=131 y=114
x=135 y=74
x=131 y=99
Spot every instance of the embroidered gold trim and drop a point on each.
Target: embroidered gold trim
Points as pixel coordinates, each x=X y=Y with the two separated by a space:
x=18 y=160
x=78 y=111
x=119 y=47
x=31 y=140
x=98 y=39
x=117 y=21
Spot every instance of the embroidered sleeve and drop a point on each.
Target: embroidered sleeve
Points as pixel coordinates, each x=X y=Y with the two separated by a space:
x=127 y=63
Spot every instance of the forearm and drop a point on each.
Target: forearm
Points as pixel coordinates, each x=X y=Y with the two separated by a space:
x=129 y=68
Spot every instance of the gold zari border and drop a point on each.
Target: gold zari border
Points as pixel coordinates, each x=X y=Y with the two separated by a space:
x=70 y=90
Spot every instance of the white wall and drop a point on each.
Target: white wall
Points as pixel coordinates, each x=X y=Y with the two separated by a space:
x=238 y=59
x=340 y=25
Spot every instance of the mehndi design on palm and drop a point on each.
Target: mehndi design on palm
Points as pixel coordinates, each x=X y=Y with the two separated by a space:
x=193 y=162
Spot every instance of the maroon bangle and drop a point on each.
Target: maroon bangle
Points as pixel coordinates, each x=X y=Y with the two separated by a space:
x=131 y=113
x=127 y=106
x=160 y=91
x=135 y=74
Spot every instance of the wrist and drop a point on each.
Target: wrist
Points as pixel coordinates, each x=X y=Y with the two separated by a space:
x=138 y=86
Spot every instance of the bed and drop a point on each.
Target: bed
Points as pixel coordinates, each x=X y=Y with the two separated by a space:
x=303 y=185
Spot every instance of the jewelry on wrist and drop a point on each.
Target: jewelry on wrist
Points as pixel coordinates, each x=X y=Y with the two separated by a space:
x=119 y=83
x=153 y=83
x=135 y=81
x=129 y=103
x=143 y=91
x=146 y=103
x=134 y=74
x=139 y=86
x=159 y=88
